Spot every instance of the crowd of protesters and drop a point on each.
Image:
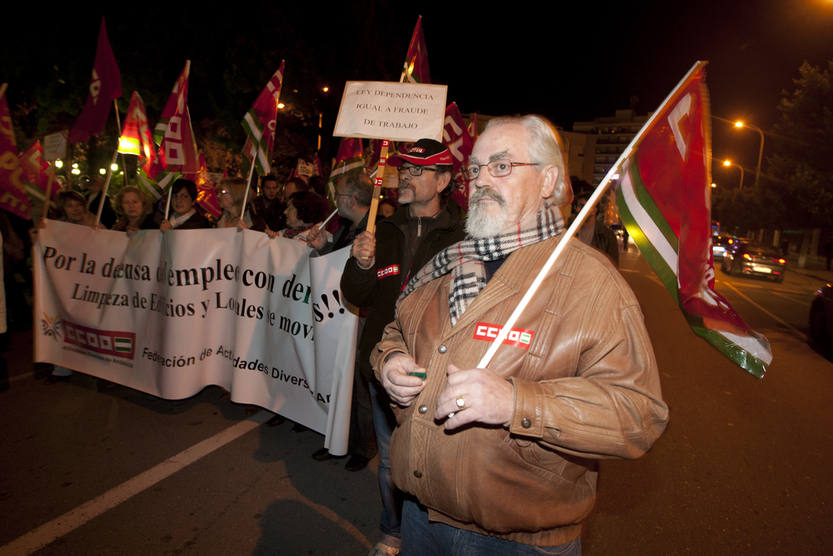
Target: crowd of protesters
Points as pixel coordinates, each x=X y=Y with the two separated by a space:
x=410 y=235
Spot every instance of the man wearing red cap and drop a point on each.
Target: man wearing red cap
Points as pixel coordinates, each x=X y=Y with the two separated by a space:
x=378 y=269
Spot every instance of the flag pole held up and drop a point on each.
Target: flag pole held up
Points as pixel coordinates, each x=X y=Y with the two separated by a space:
x=579 y=220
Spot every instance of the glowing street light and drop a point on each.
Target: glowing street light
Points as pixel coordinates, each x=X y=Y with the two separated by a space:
x=739 y=124
x=728 y=163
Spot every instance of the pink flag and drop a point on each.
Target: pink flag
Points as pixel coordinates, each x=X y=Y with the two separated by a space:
x=12 y=189
x=105 y=86
x=456 y=137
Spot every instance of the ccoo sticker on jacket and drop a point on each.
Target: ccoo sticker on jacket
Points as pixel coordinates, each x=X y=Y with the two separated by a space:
x=517 y=336
x=391 y=270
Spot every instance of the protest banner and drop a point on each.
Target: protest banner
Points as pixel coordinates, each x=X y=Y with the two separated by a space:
x=169 y=313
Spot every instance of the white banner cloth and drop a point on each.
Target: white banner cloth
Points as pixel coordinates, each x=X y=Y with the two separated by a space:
x=169 y=313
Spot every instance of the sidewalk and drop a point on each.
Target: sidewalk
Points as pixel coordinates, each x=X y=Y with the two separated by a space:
x=814 y=267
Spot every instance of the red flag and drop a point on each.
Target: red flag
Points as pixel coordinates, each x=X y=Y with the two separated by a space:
x=207 y=192
x=105 y=86
x=456 y=137
x=136 y=138
x=472 y=129
x=173 y=131
x=663 y=200
x=416 y=61
x=12 y=189
x=37 y=173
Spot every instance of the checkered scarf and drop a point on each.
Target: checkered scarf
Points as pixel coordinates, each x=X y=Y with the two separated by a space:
x=465 y=258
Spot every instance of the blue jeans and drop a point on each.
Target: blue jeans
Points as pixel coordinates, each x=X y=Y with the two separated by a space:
x=383 y=423
x=422 y=538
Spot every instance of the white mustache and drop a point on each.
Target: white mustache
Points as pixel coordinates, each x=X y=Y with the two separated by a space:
x=490 y=193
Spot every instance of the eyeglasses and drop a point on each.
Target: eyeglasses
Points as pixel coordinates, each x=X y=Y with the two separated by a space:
x=225 y=192
x=497 y=168
x=416 y=170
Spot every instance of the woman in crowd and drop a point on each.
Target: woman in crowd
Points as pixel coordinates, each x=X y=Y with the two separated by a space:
x=305 y=208
x=185 y=215
x=74 y=208
x=133 y=209
x=230 y=194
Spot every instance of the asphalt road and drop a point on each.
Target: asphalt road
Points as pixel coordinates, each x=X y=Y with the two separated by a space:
x=742 y=467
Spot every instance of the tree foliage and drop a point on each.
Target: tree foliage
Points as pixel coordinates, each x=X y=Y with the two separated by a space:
x=801 y=163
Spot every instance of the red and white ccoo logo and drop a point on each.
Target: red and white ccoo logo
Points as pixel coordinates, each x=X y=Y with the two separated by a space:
x=517 y=336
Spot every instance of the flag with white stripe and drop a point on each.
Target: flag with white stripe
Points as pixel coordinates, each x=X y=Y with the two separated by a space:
x=664 y=202
x=259 y=123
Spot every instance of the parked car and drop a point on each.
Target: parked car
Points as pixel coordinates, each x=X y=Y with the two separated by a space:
x=748 y=258
x=821 y=320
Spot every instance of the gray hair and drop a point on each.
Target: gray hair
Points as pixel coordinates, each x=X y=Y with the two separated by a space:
x=545 y=144
x=359 y=186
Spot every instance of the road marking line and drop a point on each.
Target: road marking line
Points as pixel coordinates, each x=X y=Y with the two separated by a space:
x=73 y=519
x=778 y=319
x=788 y=298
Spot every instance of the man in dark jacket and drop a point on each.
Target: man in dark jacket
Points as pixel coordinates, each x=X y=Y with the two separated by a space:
x=378 y=269
x=266 y=210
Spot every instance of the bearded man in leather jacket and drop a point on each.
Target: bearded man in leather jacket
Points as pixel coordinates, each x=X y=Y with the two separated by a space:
x=503 y=459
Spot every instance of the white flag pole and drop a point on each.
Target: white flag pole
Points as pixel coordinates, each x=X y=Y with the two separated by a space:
x=571 y=231
x=106 y=186
x=248 y=186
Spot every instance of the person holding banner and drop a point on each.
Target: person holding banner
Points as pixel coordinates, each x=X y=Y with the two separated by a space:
x=503 y=459
x=186 y=216
x=134 y=210
x=380 y=266
x=230 y=194
x=73 y=207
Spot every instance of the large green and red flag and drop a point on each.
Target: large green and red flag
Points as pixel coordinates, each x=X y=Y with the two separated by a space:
x=415 y=69
x=664 y=202
x=12 y=189
x=38 y=175
x=105 y=86
x=259 y=123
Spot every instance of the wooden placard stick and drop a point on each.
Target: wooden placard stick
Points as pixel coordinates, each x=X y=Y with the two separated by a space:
x=377 y=186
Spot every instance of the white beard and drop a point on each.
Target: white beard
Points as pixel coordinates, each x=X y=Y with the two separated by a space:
x=479 y=222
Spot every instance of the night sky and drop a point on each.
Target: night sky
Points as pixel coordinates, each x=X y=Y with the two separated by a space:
x=571 y=63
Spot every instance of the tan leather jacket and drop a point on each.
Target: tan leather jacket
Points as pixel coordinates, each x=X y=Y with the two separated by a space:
x=586 y=387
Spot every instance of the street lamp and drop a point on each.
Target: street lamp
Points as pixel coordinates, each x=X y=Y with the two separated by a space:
x=728 y=163
x=741 y=124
